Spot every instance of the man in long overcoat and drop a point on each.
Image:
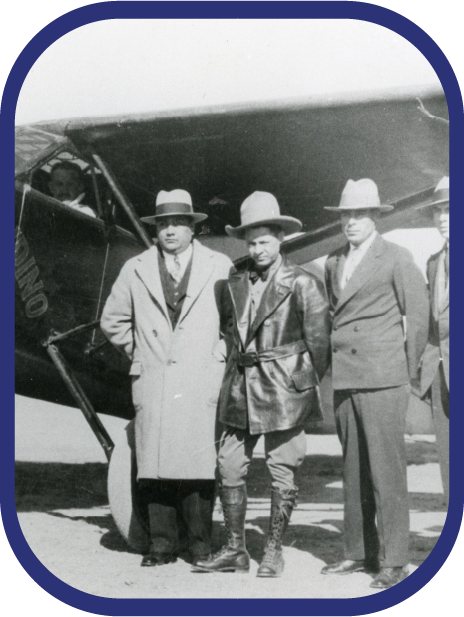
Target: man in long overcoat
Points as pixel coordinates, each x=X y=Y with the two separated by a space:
x=379 y=308
x=280 y=347
x=163 y=313
x=435 y=362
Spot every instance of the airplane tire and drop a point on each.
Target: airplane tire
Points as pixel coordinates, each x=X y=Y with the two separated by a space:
x=121 y=493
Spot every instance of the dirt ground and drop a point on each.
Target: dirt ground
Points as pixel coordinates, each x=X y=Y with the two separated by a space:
x=64 y=514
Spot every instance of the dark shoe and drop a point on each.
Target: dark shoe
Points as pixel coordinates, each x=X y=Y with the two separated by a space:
x=387 y=577
x=233 y=557
x=158 y=559
x=225 y=560
x=348 y=566
x=195 y=559
x=282 y=504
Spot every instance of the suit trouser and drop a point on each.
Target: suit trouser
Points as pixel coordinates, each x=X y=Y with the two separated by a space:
x=440 y=412
x=284 y=451
x=172 y=503
x=370 y=425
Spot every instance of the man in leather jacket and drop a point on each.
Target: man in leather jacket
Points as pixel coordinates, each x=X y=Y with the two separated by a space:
x=279 y=339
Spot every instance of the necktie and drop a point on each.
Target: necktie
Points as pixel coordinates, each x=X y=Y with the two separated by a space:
x=174 y=270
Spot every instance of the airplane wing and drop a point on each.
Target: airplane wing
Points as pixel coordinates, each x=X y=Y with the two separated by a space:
x=301 y=151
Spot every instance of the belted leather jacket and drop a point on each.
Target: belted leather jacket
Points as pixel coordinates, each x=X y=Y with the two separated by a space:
x=274 y=365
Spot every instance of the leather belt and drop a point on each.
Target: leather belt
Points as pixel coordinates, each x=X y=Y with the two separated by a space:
x=251 y=358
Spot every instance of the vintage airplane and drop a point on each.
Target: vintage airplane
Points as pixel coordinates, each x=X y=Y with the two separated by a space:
x=66 y=261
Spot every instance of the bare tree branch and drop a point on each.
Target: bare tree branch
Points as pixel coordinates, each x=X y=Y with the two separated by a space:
x=427 y=114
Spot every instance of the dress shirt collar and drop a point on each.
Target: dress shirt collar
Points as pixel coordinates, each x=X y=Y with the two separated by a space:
x=184 y=257
x=364 y=246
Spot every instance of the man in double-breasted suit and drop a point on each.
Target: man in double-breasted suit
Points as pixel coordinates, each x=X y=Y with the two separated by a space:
x=379 y=309
x=280 y=346
x=163 y=313
x=435 y=362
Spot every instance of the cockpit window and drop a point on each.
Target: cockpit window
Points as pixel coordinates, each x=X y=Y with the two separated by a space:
x=73 y=182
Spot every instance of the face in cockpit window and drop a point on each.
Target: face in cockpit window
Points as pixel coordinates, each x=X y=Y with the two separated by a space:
x=66 y=182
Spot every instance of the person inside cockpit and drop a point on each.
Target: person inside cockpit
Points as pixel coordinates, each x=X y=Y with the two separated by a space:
x=67 y=185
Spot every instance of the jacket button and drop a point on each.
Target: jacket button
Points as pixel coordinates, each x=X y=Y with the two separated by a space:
x=334 y=350
x=354 y=351
x=334 y=328
x=155 y=333
x=356 y=328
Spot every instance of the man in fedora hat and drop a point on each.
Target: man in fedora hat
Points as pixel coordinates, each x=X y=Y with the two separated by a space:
x=279 y=325
x=435 y=361
x=379 y=309
x=163 y=313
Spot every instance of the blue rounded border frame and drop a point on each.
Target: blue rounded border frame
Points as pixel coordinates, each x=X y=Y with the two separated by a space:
x=217 y=10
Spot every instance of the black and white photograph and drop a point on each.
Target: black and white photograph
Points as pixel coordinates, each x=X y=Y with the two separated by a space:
x=232 y=308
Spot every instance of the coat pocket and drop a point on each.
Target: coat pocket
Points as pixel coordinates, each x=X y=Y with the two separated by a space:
x=303 y=380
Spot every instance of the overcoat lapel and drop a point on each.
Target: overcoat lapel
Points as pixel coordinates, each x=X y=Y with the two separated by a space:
x=338 y=267
x=239 y=290
x=202 y=269
x=432 y=274
x=440 y=293
x=148 y=271
x=366 y=268
x=279 y=287
x=445 y=304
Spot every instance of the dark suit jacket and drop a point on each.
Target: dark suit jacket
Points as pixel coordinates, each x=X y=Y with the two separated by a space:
x=370 y=348
x=273 y=370
x=438 y=344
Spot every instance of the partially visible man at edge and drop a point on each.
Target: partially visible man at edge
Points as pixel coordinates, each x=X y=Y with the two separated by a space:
x=435 y=361
x=374 y=286
x=163 y=313
x=67 y=185
x=280 y=349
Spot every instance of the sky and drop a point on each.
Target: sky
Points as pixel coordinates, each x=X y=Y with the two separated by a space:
x=130 y=66
x=119 y=67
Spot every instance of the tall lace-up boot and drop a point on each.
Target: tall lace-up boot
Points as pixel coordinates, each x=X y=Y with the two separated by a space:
x=282 y=504
x=233 y=557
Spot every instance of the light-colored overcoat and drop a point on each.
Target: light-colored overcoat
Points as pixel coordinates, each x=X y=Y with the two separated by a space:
x=176 y=375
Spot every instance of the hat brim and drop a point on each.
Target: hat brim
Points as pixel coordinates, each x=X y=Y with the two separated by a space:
x=385 y=208
x=196 y=217
x=433 y=203
x=288 y=224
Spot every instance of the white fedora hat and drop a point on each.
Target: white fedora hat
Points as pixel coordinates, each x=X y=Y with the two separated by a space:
x=259 y=210
x=174 y=203
x=440 y=195
x=360 y=195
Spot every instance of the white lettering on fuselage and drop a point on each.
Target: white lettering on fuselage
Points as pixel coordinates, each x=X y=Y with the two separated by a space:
x=27 y=273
